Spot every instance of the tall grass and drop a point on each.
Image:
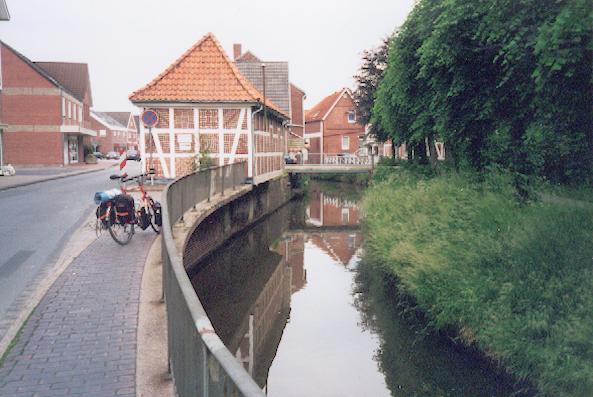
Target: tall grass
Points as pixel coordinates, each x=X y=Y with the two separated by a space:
x=515 y=280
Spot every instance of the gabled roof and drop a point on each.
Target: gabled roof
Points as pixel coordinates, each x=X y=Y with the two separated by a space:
x=320 y=111
x=248 y=57
x=296 y=87
x=122 y=117
x=73 y=76
x=37 y=68
x=108 y=121
x=277 y=85
x=204 y=73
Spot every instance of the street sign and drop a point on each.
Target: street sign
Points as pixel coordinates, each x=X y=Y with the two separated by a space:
x=149 y=118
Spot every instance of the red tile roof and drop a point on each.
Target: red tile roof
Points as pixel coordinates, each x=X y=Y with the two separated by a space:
x=318 y=112
x=248 y=57
x=204 y=73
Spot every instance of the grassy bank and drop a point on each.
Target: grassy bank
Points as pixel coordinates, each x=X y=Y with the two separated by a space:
x=513 y=280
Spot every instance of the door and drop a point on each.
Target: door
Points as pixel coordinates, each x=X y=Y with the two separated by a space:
x=73 y=146
x=66 y=156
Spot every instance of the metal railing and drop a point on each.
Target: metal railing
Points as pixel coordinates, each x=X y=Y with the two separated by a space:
x=199 y=362
x=336 y=159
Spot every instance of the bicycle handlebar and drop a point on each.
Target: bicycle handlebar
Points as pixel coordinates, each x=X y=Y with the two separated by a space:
x=126 y=178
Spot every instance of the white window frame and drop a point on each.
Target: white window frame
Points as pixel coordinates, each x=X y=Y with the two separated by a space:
x=74 y=111
x=80 y=113
x=352 y=117
x=346 y=140
x=345 y=216
x=69 y=109
x=63 y=107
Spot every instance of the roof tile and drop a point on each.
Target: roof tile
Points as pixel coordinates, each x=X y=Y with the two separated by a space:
x=317 y=112
x=204 y=73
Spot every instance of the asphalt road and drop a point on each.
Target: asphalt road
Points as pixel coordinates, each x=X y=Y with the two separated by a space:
x=36 y=222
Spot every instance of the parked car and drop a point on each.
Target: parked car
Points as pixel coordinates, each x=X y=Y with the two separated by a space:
x=99 y=155
x=133 y=154
x=112 y=156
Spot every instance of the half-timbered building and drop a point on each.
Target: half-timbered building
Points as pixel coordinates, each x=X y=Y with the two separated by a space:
x=207 y=108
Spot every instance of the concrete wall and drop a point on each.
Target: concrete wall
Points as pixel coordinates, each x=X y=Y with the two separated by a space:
x=211 y=232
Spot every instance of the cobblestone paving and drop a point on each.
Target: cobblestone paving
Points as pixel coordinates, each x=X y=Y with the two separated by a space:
x=81 y=339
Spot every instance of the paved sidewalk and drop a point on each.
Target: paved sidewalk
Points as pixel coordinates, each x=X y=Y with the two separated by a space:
x=82 y=338
x=28 y=176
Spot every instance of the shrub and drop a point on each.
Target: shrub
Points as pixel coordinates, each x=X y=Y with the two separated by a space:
x=514 y=279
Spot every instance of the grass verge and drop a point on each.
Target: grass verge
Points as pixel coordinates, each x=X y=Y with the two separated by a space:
x=513 y=280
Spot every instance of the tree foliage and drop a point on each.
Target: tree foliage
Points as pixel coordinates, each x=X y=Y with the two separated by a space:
x=501 y=82
x=370 y=74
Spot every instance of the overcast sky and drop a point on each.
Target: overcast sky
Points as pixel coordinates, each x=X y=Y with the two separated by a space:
x=129 y=42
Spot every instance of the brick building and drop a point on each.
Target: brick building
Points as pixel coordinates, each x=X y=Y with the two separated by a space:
x=331 y=127
x=278 y=88
x=116 y=131
x=207 y=107
x=327 y=210
x=44 y=108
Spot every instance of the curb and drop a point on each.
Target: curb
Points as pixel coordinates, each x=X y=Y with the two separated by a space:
x=80 y=240
x=52 y=178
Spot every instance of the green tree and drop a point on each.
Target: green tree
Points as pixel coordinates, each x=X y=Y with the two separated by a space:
x=504 y=82
x=370 y=74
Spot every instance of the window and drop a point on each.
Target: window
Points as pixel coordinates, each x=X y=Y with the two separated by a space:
x=80 y=113
x=63 y=107
x=74 y=112
x=352 y=117
x=69 y=110
x=345 y=142
x=345 y=216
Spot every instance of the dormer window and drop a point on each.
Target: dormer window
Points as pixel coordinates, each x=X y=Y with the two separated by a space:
x=352 y=117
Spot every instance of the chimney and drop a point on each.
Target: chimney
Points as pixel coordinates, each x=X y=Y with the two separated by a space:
x=236 y=51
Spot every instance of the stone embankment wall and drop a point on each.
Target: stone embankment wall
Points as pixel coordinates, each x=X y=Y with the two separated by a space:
x=212 y=231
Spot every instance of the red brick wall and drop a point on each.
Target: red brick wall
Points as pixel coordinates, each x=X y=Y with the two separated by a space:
x=313 y=126
x=31 y=110
x=296 y=108
x=25 y=146
x=16 y=73
x=333 y=144
x=336 y=125
x=33 y=148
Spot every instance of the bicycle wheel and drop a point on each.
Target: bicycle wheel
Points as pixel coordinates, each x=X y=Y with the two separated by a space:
x=152 y=218
x=121 y=233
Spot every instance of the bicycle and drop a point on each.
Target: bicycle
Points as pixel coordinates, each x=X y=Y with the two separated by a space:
x=119 y=214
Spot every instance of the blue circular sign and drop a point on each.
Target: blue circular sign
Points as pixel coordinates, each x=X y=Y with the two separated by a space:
x=150 y=118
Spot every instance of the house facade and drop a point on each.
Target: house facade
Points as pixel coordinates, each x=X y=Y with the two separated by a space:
x=278 y=89
x=207 y=108
x=116 y=131
x=331 y=127
x=45 y=110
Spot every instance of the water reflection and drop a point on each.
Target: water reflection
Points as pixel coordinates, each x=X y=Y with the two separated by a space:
x=281 y=299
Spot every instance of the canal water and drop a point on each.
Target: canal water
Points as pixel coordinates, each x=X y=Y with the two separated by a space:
x=294 y=301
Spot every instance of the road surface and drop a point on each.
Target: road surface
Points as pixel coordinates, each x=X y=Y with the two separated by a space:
x=36 y=222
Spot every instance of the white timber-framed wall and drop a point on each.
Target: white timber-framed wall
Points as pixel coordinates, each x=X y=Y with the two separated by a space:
x=225 y=132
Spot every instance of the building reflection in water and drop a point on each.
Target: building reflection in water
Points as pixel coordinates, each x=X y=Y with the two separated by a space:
x=246 y=285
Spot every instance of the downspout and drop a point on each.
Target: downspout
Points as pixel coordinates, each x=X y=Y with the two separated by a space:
x=285 y=123
x=253 y=141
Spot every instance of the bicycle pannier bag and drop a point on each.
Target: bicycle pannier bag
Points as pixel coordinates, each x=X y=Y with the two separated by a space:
x=102 y=212
x=124 y=208
x=158 y=214
x=143 y=222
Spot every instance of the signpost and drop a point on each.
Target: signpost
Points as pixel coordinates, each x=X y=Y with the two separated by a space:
x=150 y=118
